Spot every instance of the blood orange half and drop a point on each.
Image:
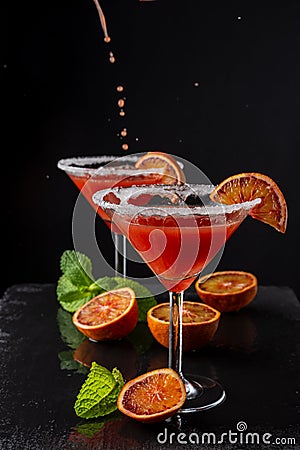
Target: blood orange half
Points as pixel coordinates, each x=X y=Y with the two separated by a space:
x=199 y=324
x=111 y=315
x=228 y=290
x=153 y=396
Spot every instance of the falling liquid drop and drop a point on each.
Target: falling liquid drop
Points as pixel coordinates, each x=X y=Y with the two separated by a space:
x=124 y=132
x=120 y=88
x=121 y=103
x=111 y=57
x=125 y=146
x=122 y=113
x=107 y=39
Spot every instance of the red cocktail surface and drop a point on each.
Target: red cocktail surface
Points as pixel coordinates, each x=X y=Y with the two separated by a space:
x=176 y=248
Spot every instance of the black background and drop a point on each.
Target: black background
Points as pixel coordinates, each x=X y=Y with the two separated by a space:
x=59 y=99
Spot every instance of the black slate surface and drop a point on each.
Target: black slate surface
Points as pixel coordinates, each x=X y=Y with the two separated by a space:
x=254 y=354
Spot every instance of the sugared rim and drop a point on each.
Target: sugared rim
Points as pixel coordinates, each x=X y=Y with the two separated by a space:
x=182 y=209
x=67 y=165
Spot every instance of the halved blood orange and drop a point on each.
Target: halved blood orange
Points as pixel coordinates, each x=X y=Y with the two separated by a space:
x=242 y=187
x=111 y=315
x=228 y=290
x=172 y=172
x=199 y=324
x=153 y=396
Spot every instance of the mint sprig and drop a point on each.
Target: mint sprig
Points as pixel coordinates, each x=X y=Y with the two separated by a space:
x=77 y=267
x=98 y=394
x=77 y=286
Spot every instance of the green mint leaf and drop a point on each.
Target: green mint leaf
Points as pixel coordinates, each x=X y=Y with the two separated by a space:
x=74 y=300
x=77 y=267
x=72 y=297
x=64 y=286
x=98 y=394
x=99 y=383
x=109 y=403
x=144 y=305
x=118 y=376
x=69 y=333
x=106 y=283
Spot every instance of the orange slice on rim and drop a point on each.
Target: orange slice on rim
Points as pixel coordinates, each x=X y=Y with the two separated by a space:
x=272 y=209
x=228 y=290
x=153 y=396
x=172 y=172
x=111 y=315
x=199 y=324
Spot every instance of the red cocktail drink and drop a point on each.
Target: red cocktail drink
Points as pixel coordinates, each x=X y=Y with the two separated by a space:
x=177 y=248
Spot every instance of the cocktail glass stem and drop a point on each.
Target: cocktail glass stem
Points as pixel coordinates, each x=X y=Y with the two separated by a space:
x=124 y=241
x=120 y=255
x=201 y=392
x=193 y=389
x=175 y=331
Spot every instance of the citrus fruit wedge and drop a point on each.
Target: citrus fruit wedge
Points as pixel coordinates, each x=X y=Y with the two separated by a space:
x=272 y=209
x=153 y=396
x=199 y=324
x=227 y=290
x=111 y=315
x=172 y=172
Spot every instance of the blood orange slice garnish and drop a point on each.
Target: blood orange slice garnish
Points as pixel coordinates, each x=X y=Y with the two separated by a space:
x=172 y=172
x=199 y=324
x=111 y=315
x=153 y=396
x=227 y=290
x=272 y=209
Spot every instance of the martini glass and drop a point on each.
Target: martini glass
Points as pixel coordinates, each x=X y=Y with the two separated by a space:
x=93 y=173
x=177 y=230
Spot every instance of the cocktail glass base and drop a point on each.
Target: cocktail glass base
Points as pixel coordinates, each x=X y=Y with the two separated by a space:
x=202 y=393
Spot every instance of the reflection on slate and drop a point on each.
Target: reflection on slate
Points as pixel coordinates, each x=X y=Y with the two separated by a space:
x=44 y=361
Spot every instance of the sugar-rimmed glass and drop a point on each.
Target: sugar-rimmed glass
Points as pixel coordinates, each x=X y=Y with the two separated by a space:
x=177 y=230
x=93 y=173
